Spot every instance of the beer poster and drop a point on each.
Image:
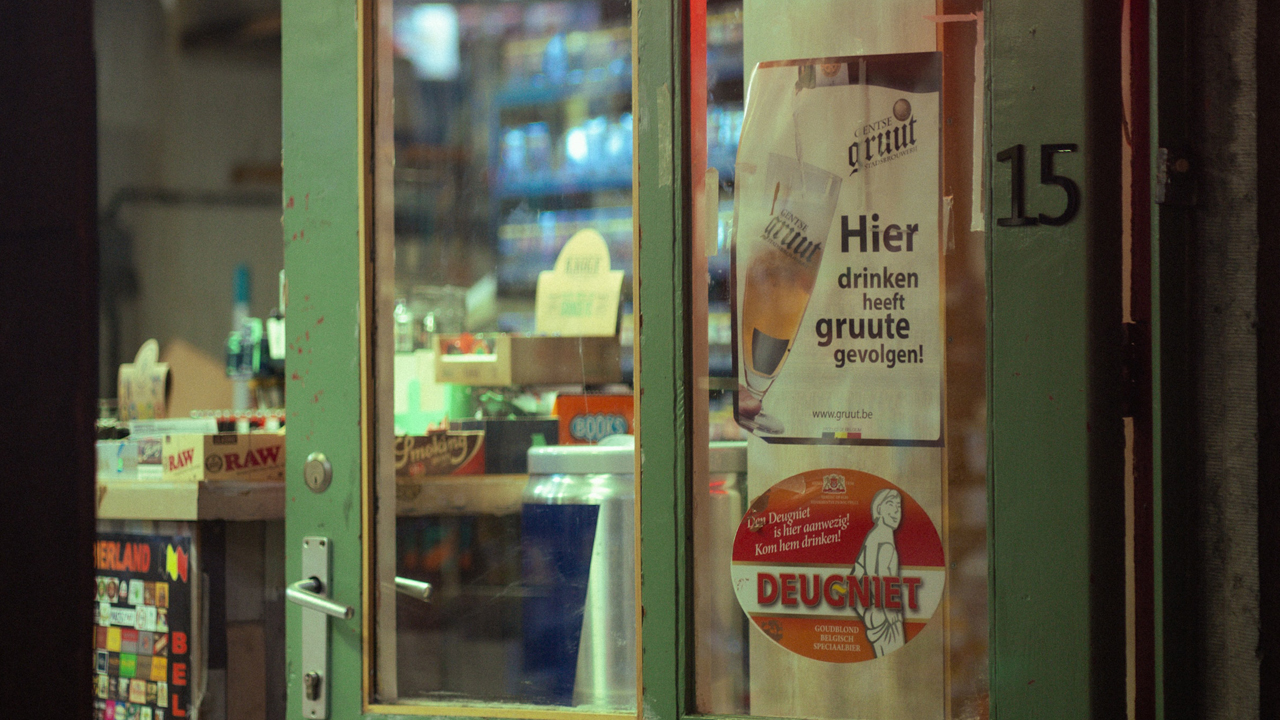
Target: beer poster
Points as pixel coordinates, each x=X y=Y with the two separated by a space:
x=143 y=630
x=836 y=252
x=838 y=565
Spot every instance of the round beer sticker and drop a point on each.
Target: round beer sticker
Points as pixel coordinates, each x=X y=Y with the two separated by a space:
x=838 y=565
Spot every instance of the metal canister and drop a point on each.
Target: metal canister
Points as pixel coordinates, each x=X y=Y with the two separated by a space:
x=720 y=656
x=578 y=568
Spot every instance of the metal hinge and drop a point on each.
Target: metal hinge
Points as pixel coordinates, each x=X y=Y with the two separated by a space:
x=1173 y=178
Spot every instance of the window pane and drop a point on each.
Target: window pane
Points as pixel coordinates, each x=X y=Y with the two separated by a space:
x=513 y=136
x=840 y=542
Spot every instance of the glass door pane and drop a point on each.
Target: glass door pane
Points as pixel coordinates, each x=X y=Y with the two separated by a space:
x=839 y=517
x=511 y=320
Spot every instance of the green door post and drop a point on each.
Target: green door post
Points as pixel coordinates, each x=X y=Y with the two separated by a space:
x=663 y=353
x=1056 y=502
x=322 y=105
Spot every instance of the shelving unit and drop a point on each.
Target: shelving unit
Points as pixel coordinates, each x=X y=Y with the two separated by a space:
x=187 y=500
x=552 y=186
x=549 y=146
x=463 y=495
x=542 y=92
x=248 y=501
x=723 y=66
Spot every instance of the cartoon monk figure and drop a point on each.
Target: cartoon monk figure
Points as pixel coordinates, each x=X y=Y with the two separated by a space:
x=879 y=558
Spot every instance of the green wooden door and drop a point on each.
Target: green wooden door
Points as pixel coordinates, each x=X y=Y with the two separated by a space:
x=332 y=260
x=1055 y=443
x=326 y=238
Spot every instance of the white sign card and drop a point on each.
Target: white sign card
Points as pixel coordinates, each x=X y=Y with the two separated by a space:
x=580 y=296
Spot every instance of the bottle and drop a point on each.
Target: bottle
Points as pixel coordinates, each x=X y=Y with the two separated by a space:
x=241 y=337
x=403 y=326
x=555 y=60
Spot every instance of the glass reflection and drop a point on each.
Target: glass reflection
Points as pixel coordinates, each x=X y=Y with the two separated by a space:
x=513 y=134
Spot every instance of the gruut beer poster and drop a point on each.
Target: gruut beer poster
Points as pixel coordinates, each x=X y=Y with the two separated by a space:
x=836 y=253
x=839 y=563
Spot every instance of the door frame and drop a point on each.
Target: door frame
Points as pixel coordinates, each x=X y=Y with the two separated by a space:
x=1071 y=520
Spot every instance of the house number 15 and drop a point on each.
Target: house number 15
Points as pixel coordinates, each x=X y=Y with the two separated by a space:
x=1013 y=155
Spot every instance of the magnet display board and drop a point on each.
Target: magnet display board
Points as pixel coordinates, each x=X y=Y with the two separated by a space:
x=144 y=635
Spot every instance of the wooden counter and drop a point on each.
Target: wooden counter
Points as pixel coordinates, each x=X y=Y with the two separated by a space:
x=243 y=500
x=190 y=500
x=463 y=495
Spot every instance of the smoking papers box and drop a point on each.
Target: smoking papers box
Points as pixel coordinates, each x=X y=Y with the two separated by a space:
x=223 y=456
x=439 y=453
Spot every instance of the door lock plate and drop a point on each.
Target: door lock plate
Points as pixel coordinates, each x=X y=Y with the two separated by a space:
x=315 y=632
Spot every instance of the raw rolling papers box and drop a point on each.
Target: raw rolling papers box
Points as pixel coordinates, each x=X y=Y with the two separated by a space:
x=439 y=453
x=224 y=456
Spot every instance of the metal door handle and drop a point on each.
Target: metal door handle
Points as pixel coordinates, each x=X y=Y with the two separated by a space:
x=307 y=594
x=414 y=588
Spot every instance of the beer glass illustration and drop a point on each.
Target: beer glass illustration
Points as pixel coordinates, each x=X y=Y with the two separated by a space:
x=783 y=226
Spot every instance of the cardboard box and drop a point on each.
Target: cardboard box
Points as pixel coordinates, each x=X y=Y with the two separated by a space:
x=529 y=360
x=507 y=441
x=587 y=419
x=439 y=453
x=224 y=456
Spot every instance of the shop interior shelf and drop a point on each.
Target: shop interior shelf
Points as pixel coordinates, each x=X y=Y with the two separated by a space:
x=724 y=62
x=257 y=500
x=539 y=91
x=551 y=185
x=460 y=495
x=189 y=500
